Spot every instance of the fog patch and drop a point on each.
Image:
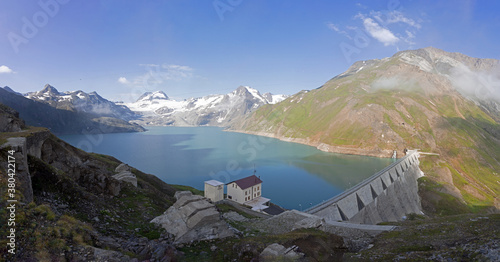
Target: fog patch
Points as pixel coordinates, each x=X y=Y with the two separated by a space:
x=481 y=85
x=392 y=83
x=102 y=110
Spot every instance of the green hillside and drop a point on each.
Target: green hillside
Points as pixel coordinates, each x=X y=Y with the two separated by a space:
x=383 y=105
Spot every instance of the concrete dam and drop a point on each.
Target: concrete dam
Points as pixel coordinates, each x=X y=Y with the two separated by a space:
x=387 y=195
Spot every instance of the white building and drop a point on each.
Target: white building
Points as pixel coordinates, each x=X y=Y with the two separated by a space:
x=248 y=191
x=214 y=190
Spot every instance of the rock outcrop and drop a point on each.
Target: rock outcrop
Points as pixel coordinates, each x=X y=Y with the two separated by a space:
x=125 y=174
x=277 y=252
x=9 y=120
x=193 y=218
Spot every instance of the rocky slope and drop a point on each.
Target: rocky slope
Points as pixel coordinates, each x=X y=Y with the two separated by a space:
x=157 y=108
x=62 y=121
x=72 y=207
x=423 y=99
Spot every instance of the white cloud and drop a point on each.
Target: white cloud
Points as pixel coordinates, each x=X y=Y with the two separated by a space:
x=158 y=74
x=390 y=27
x=335 y=28
x=149 y=65
x=382 y=34
x=483 y=85
x=361 y=6
x=5 y=70
x=123 y=80
x=409 y=37
x=398 y=17
x=178 y=67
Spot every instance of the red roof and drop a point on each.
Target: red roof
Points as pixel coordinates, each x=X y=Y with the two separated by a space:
x=247 y=182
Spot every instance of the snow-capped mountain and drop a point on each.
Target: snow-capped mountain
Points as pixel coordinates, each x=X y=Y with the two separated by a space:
x=214 y=110
x=274 y=99
x=150 y=96
x=62 y=121
x=80 y=101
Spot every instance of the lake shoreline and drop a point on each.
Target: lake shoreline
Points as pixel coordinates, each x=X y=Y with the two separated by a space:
x=380 y=153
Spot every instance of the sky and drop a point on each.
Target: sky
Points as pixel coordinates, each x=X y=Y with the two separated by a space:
x=190 y=48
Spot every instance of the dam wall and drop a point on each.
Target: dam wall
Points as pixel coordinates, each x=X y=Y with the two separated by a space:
x=387 y=195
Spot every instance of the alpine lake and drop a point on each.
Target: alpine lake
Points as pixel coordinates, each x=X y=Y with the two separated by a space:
x=294 y=176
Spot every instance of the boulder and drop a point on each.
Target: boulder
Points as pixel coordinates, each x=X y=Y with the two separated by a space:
x=122 y=167
x=125 y=174
x=110 y=255
x=193 y=218
x=309 y=222
x=277 y=252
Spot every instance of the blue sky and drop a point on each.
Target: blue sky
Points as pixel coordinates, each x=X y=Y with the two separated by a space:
x=193 y=48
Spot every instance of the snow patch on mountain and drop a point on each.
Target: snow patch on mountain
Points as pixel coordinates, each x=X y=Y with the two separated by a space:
x=80 y=101
x=219 y=110
x=149 y=96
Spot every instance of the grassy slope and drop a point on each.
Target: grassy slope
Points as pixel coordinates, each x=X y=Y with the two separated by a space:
x=345 y=113
x=456 y=238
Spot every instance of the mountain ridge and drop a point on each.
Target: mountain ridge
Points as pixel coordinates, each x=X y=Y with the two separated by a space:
x=399 y=102
x=214 y=110
x=62 y=121
x=80 y=101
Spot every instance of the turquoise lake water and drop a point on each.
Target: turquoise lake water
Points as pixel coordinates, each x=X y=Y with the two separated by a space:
x=294 y=176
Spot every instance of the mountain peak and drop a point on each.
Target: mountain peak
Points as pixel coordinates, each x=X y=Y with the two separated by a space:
x=149 y=96
x=8 y=89
x=50 y=90
x=243 y=90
